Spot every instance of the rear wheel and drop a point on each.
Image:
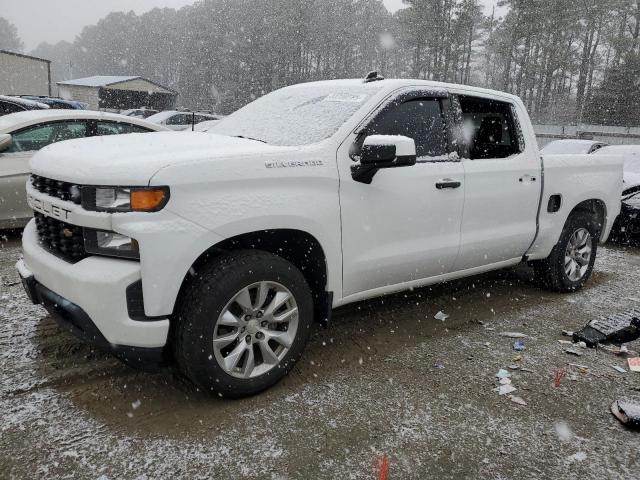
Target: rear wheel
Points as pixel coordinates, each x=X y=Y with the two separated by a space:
x=243 y=324
x=571 y=261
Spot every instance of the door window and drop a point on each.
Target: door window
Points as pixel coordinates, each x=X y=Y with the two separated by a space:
x=420 y=119
x=118 y=128
x=489 y=129
x=39 y=136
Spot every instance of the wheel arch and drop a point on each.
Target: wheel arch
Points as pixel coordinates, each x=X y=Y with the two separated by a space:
x=595 y=207
x=298 y=247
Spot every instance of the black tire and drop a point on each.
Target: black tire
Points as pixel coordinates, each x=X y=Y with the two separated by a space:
x=550 y=272
x=202 y=303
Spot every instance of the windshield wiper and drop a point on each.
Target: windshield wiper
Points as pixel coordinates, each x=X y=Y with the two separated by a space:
x=249 y=138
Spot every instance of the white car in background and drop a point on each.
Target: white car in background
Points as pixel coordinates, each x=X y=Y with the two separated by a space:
x=631 y=155
x=24 y=133
x=572 y=146
x=180 y=120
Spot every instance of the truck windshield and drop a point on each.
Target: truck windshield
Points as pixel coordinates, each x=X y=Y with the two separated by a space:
x=297 y=115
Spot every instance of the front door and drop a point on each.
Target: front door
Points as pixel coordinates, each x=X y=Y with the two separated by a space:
x=405 y=225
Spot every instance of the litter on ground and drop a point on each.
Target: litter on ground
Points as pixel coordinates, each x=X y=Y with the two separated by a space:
x=441 y=316
x=512 y=334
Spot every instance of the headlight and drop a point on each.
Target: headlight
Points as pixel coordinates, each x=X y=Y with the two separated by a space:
x=125 y=199
x=101 y=242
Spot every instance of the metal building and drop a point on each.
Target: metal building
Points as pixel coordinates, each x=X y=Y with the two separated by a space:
x=108 y=92
x=24 y=75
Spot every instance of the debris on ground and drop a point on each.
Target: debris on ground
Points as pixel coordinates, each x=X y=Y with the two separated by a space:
x=618 y=369
x=622 y=350
x=634 y=364
x=567 y=333
x=441 y=316
x=518 y=346
x=502 y=373
x=438 y=364
x=505 y=381
x=558 y=376
x=505 y=389
x=627 y=411
x=517 y=400
x=513 y=335
x=582 y=368
x=383 y=467
x=618 y=328
x=565 y=342
x=573 y=351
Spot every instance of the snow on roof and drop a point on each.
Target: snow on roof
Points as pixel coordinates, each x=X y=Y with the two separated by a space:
x=98 y=80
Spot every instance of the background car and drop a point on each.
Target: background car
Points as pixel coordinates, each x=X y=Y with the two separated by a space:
x=139 y=112
x=627 y=225
x=24 y=133
x=55 y=102
x=181 y=120
x=570 y=146
x=16 y=104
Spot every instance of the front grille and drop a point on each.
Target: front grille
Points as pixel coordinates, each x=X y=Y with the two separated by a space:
x=57 y=188
x=60 y=238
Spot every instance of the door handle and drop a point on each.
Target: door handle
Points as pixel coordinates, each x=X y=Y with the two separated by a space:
x=527 y=177
x=447 y=183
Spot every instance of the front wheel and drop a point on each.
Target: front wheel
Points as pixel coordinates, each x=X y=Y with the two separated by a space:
x=243 y=323
x=571 y=261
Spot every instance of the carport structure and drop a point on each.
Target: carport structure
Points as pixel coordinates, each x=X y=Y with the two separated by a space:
x=110 y=92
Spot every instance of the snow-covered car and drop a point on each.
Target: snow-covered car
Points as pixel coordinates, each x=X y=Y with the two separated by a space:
x=24 y=133
x=179 y=120
x=570 y=146
x=10 y=104
x=59 y=103
x=218 y=250
x=627 y=225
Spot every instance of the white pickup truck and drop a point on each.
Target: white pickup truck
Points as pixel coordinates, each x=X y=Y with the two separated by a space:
x=218 y=250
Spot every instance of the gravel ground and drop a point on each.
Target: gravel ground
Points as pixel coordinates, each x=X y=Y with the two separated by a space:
x=368 y=386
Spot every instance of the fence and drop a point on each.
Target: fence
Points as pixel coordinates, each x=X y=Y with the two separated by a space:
x=601 y=133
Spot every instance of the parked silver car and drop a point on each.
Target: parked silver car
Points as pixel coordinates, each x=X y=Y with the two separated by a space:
x=24 y=133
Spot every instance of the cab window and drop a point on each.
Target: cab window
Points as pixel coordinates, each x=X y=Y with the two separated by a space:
x=489 y=129
x=39 y=136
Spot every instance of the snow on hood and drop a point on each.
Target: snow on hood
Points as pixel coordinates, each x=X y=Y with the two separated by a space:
x=132 y=159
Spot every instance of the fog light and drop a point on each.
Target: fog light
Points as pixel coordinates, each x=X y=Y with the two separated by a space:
x=101 y=242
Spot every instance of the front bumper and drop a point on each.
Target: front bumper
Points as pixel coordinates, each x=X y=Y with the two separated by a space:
x=92 y=293
x=72 y=318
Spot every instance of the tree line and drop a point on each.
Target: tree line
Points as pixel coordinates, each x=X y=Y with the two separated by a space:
x=569 y=60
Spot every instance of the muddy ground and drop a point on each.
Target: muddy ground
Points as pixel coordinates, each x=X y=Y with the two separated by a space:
x=366 y=387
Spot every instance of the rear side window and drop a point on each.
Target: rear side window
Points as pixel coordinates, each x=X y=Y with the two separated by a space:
x=420 y=119
x=116 y=128
x=489 y=129
x=39 y=136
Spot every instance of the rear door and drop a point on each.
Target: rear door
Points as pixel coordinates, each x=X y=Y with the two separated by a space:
x=502 y=183
x=403 y=226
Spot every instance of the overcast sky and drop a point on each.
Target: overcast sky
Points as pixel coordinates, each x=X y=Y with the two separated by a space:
x=54 y=20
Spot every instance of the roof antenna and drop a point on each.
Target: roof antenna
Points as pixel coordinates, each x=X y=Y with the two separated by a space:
x=373 y=77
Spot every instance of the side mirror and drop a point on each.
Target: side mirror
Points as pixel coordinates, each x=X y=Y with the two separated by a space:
x=5 y=141
x=383 y=151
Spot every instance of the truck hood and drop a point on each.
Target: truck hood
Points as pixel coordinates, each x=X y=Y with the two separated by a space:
x=132 y=159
